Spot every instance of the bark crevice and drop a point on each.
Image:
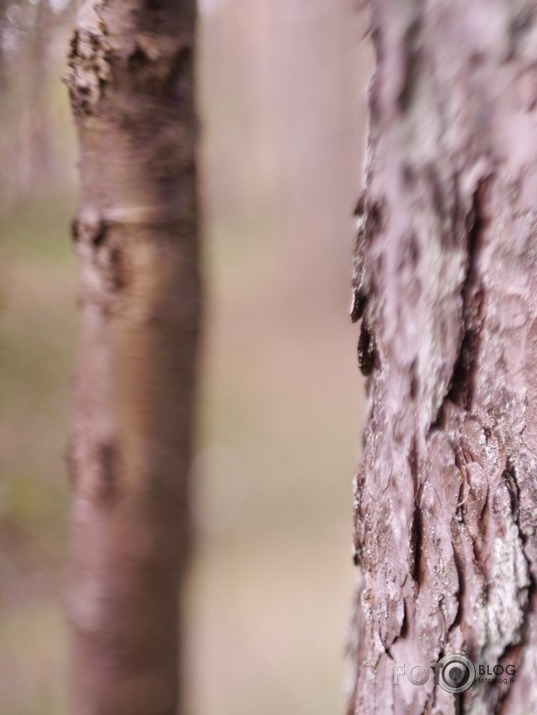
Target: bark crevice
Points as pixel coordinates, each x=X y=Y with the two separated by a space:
x=461 y=387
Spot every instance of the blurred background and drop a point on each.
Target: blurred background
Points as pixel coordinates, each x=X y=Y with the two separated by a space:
x=282 y=102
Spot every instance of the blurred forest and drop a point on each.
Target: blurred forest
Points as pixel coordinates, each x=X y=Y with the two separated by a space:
x=282 y=107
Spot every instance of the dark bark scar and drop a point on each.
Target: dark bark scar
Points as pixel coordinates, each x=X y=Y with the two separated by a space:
x=367 y=352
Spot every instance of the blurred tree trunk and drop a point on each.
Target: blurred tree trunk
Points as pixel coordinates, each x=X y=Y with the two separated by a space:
x=131 y=87
x=446 y=276
x=36 y=151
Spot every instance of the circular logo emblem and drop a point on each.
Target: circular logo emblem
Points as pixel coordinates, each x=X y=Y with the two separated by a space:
x=457 y=673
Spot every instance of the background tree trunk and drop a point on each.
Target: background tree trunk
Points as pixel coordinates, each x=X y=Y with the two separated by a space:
x=131 y=87
x=445 y=277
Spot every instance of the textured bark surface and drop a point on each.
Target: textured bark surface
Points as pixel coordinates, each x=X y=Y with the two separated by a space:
x=131 y=87
x=446 y=287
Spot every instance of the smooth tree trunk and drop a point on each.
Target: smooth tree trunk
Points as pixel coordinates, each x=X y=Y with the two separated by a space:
x=446 y=288
x=131 y=87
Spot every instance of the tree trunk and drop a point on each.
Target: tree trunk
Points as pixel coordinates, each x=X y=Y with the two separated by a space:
x=131 y=87
x=445 y=279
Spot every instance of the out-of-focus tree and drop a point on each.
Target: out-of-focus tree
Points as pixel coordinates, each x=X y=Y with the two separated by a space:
x=132 y=92
x=445 y=276
x=290 y=93
x=30 y=59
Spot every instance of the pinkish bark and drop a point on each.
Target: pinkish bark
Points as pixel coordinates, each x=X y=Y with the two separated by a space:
x=132 y=92
x=446 y=287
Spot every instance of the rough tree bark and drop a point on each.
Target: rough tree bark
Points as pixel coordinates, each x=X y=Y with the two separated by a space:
x=445 y=284
x=131 y=87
